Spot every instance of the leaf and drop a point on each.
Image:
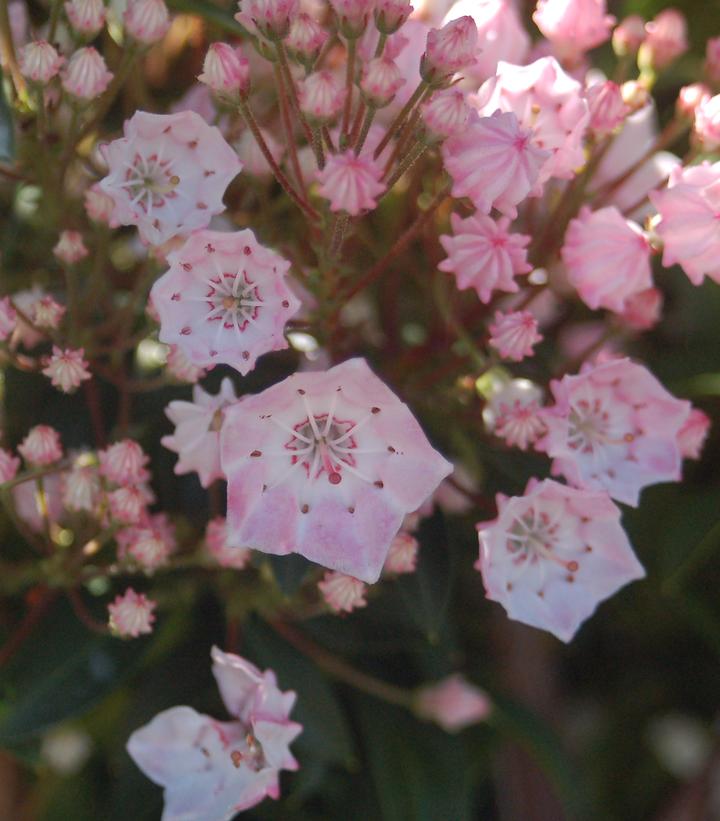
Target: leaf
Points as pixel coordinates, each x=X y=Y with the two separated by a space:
x=209 y=11
x=7 y=131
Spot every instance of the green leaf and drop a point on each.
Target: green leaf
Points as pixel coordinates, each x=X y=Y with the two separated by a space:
x=7 y=131
x=220 y=17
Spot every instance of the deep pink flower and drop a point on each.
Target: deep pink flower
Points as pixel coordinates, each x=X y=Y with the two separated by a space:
x=41 y=446
x=86 y=76
x=131 y=615
x=449 y=49
x=8 y=318
x=707 y=123
x=326 y=464
x=483 y=254
x=549 y=104
x=124 y=463
x=574 y=26
x=607 y=107
x=67 y=368
x=226 y=70
x=321 y=95
x=39 y=62
x=9 y=466
x=692 y=435
x=351 y=183
x=607 y=258
x=146 y=21
x=665 y=40
x=402 y=556
x=381 y=80
x=688 y=225
x=217 y=545
x=514 y=334
x=342 y=593
x=197 y=431
x=614 y=427
x=225 y=299
x=70 y=248
x=554 y=554
x=168 y=174
x=87 y=17
x=212 y=770
x=453 y=703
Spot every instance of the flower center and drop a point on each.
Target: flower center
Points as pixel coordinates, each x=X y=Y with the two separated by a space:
x=590 y=425
x=533 y=536
x=150 y=181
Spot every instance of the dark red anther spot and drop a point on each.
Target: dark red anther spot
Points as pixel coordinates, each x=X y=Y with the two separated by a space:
x=213 y=353
x=247 y=250
x=186 y=331
x=201 y=206
x=236 y=757
x=375 y=410
x=569 y=578
x=193 y=144
x=304 y=508
x=301 y=392
x=379 y=484
x=588 y=549
x=351 y=510
x=210 y=248
x=334 y=478
x=246 y=354
x=285 y=303
x=186 y=266
x=209 y=173
x=166 y=130
x=391 y=449
x=256 y=453
x=572 y=567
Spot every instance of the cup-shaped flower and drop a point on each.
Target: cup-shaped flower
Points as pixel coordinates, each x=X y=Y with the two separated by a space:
x=326 y=464
x=574 y=26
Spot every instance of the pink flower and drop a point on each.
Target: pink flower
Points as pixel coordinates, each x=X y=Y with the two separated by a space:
x=128 y=504
x=226 y=70
x=690 y=98
x=692 y=435
x=607 y=258
x=390 y=15
x=124 y=463
x=197 y=431
x=271 y=18
x=149 y=546
x=45 y=312
x=326 y=464
x=29 y=507
x=628 y=35
x=642 y=310
x=87 y=17
x=351 y=183
x=8 y=318
x=217 y=545
x=707 y=123
x=168 y=174
x=225 y=299
x=607 y=108
x=70 y=248
x=306 y=37
x=514 y=334
x=131 y=615
x=86 y=75
x=81 y=487
x=666 y=39
x=519 y=424
x=614 y=427
x=342 y=593
x=352 y=15
x=212 y=770
x=553 y=554
x=100 y=206
x=494 y=162
x=39 y=62
x=9 y=466
x=483 y=254
x=67 y=369
x=41 y=446
x=381 y=80
x=402 y=556
x=688 y=225
x=574 y=26
x=446 y=114
x=453 y=703
x=321 y=95
x=549 y=104
x=146 y=21
x=449 y=49
x=501 y=34
x=180 y=367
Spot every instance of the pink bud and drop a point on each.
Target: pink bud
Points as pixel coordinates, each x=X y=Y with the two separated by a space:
x=321 y=95
x=41 y=446
x=306 y=37
x=402 y=556
x=226 y=71
x=70 y=248
x=146 y=21
x=629 y=35
x=693 y=433
x=86 y=75
x=453 y=703
x=271 y=17
x=446 y=113
x=352 y=15
x=46 y=313
x=391 y=14
x=712 y=59
x=67 y=369
x=690 y=97
x=131 y=614
x=449 y=49
x=124 y=463
x=342 y=593
x=380 y=82
x=99 y=206
x=607 y=107
x=666 y=39
x=39 y=62
x=87 y=17
x=642 y=309
x=514 y=334
x=707 y=123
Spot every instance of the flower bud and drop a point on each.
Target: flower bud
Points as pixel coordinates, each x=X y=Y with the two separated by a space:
x=449 y=49
x=607 y=107
x=321 y=96
x=712 y=59
x=306 y=38
x=146 y=21
x=41 y=446
x=666 y=39
x=446 y=113
x=86 y=75
x=634 y=94
x=70 y=248
x=100 y=206
x=628 y=36
x=39 y=62
x=352 y=16
x=226 y=71
x=707 y=123
x=381 y=80
x=391 y=14
x=272 y=18
x=689 y=98
x=86 y=17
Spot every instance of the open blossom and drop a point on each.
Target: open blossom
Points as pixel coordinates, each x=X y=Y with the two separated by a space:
x=86 y=76
x=707 y=123
x=607 y=107
x=484 y=255
x=552 y=555
x=494 y=162
x=574 y=26
x=39 y=61
x=321 y=95
x=131 y=615
x=225 y=299
x=8 y=318
x=197 y=431
x=87 y=17
x=124 y=463
x=614 y=427
x=501 y=34
x=688 y=224
x=514 y=334
x=326 y=464
x=549 y=104
x=146 y=21
x=449 y=49
x=67 y=368
x=453 y=703
x=70 y=248
x=342 y=593
x=665 y=40
x=211 y=770
x=226 y=70
x=692 y=435
x=168 y=174
x=41 y=446
x=607 y=258
x=351 y=183
x=402 y=556
x=446 y=113
x=218 y=547
x=9 y=465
